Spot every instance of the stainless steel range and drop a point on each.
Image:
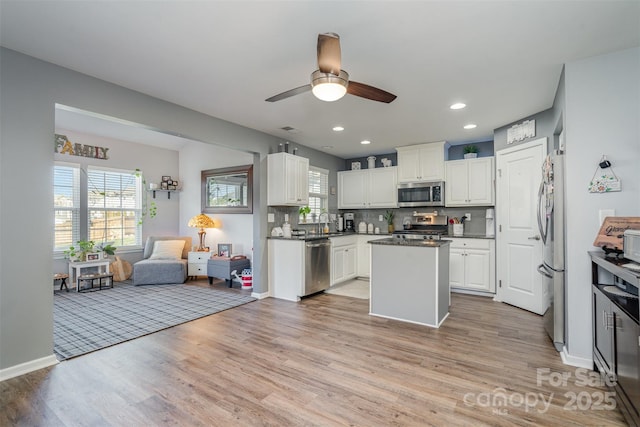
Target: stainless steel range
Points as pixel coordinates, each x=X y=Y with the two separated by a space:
x=425 y=226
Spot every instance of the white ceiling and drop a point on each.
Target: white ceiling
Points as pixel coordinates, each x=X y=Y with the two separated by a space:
x=502 y=58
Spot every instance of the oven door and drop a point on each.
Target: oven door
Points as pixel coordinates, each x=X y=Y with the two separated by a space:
x=414 y=195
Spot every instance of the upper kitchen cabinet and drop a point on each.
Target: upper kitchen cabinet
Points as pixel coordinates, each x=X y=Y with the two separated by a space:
x=288 y=180
x=368 y=188
x=470 y=182
x=424 y=162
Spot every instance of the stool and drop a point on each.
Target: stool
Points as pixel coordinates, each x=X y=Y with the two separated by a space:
x=63 y=280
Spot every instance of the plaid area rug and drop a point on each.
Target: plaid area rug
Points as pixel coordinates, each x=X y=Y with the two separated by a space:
x=85 y=322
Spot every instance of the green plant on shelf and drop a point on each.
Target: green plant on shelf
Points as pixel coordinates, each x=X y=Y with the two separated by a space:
x=470 y=149
x=304 y=211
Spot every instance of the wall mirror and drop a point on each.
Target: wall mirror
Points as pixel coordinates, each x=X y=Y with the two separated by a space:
x=228 y=190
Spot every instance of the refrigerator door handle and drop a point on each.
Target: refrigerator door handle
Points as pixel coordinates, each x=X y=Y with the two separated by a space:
x=542 y=269
x=543 y=232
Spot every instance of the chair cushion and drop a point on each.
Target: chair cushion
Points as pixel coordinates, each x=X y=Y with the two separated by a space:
x=167 y=249
x=148 y=247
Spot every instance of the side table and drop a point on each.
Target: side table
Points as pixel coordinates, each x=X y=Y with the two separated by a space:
x=197 y=263
x=75 y=268
x=222 y=268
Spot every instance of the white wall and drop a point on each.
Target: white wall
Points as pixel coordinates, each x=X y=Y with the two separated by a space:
x=236 y=229
x=602 y=116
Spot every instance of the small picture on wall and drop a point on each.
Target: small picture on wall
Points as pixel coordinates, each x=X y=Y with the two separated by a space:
x=166 y=178
x=174 y=183
x=224 y=249
x=164 y=185
x=171 y=187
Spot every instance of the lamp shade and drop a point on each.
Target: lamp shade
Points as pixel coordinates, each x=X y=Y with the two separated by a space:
x=201 y=221
x=329 y=87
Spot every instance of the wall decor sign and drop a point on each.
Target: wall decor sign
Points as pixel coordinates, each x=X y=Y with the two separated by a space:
x=64 y=146
x=522 y=131
x=604 y=179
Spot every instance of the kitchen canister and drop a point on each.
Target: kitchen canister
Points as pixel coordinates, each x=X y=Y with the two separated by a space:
x=371 y=162
x=458 y=229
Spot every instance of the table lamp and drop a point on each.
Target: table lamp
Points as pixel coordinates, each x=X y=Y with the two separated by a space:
x=201 y=221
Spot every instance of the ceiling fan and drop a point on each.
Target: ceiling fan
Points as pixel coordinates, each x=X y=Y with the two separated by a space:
x=329 y=82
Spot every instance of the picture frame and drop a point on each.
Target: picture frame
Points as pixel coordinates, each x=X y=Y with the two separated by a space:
x=93 y=256
x=166 y=178
x=164 y=185
x=174 y=183
x=224 y=249
x=171 y=187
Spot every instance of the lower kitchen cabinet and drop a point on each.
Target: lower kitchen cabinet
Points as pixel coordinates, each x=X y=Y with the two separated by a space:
x=344 y=257
x=472 y=265
x=364 y=255
x=615 y=350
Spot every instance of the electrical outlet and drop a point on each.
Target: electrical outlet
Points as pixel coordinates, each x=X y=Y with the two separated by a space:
x=468 y=216
x=271 y=217
x=286 y=217
x=380 y=218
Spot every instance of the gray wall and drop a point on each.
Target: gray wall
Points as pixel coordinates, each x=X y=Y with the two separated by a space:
x=601 y=116
x=597 y=104
x=30 y=90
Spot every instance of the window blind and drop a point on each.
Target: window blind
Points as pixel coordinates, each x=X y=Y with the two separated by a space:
x=318 y=191
x=114 y=200
x=66 y=206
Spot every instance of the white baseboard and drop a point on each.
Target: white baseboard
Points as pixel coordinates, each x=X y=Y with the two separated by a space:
x=261 y=295
x=579 y=362
x=25 y=368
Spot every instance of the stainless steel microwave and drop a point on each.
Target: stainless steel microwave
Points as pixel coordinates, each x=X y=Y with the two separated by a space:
x=416 y=194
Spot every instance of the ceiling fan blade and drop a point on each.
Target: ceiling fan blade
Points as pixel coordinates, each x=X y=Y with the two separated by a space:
x=369 y=92
x=329 y=55
x=289 y=93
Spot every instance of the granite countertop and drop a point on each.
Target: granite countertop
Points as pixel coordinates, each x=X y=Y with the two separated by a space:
x=325 y=236
x=391 y=241
x=468 y=236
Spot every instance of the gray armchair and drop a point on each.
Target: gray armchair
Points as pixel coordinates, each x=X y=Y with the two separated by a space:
x=161 y=271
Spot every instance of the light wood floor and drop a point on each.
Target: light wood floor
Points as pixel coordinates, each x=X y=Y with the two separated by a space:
x=323 y=361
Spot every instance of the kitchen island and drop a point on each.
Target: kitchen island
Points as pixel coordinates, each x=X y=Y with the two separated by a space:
x=410 y=280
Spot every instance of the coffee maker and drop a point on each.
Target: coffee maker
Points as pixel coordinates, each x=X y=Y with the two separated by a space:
x=349 y=222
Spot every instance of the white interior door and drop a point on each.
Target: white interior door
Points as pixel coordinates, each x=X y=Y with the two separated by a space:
x=519 y=246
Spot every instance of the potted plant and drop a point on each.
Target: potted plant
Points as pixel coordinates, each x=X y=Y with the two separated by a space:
x=470 y=151
x=79 y=251
x=388 y=216
x=304 y=211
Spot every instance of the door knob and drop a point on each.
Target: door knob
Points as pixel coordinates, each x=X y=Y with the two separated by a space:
x=534 y=238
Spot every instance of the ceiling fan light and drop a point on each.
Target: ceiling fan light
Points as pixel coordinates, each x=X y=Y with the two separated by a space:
x=329 y=87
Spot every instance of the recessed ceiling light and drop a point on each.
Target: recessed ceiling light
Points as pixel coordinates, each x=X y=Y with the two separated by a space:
x=457 y=106
x=470 y=126
x=365 y=142
x=338 y=128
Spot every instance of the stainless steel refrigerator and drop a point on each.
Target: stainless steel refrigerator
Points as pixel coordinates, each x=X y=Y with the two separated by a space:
x=551 y=224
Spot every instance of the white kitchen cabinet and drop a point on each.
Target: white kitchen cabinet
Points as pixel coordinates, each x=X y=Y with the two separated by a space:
x=470 y=182
x=423 y=162
x=368 y=188
x=288 y=180
x=364 y=255
x=472 y=265
x=344 y=258
x=286 y=260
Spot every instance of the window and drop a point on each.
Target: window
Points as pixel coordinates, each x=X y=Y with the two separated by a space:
x=99 y=204
x=66 y=206
x=318 y=191
x=114 y=207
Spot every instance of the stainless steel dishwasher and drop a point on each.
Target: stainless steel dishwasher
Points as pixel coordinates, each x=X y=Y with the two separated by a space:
x=317 y=275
